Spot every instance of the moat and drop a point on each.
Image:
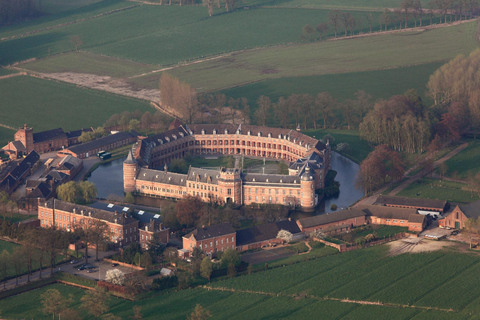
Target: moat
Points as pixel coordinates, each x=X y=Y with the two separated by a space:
x=108 y=178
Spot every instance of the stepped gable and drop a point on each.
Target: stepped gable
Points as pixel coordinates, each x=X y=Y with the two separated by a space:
x=211 y=231
x=48 y=135
x=170 y=178
x=203 y=175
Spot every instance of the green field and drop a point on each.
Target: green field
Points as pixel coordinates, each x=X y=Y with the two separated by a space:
x=57 y=6
x=381 y=84
x=337 y=4
x=47 y=104
x=329 y=57
x=465 y=164
x=440 y=190
x=5 y=135
x=415 y=286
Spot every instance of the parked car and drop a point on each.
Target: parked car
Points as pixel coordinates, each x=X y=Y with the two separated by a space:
x=82 y=267
x=455 y=232
x=91 y=270
x=73 y=261
x=114 y=264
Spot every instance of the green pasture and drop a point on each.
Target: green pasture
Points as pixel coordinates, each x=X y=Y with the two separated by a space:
x=57 y=21
x=465 y=164
x=57 y=6
x=47 y=104
x=6 y=135
x=439 y=189
x=359 y=149
x=14 y=217
x=327 y=57
x=380 y=84
x=86 y=62
x=415 y=286
x=6 y=245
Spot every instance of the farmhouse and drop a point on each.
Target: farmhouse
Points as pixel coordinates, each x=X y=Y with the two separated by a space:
x=110 y=142
x=25 y=141
x=459 y=214
x=307 y=173
x=393 y=216
x=212 y=239
x=16 y=171
x=415 y=203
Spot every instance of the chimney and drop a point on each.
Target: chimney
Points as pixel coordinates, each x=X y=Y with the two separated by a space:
x=90 y=214
x=74 y=210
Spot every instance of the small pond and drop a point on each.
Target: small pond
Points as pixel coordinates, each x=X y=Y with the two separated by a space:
x=108 y=178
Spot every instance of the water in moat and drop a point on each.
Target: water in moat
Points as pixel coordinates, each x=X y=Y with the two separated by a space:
x=109 y=181
x=108 y=178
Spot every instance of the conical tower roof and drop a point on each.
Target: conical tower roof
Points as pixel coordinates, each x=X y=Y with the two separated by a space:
x=130 y=159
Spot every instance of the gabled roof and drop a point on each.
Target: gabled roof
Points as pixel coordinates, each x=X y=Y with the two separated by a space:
x=48 y=135
x=41 y=191
x=211 y=231
x=89 y=212
x=101 y=142
x=388 y=212
x=68 y=163
x=14 y=146
x=471 y=210
x=25 y=165
x=265 y=232
x=77 y=133
x=142 y=216
x=177 y=179
x=411 y=202
x=331 y=217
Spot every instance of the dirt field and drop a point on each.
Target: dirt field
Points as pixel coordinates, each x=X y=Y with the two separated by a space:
x=415 y=245
x=263 y=256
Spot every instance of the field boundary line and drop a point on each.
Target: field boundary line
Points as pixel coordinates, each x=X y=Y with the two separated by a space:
x=8 y=127
x=28 y=33
x=326 y=298
x=13 y=75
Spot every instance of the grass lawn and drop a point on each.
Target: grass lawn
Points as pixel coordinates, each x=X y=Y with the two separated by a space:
x=250 y=164
x=440 y=190
x=465 y=164
x=16 y=217
x=327 y=57
x=45 y=104
x=6 y=245
x=57 y=6
x=359 y=149
x=381 y=231
x=338 y=4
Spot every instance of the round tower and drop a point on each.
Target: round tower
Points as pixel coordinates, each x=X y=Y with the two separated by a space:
x=130 y=168
x=307 y=190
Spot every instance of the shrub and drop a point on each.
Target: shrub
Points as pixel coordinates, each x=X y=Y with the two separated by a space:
x=164 y=283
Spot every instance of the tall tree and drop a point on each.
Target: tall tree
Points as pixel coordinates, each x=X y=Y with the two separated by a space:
x=4 y=264
x=282 y=112
x=18 y=260
x=407 y=6
x=54 y=302
x=206 y=268
x=325 y=104
x=209 y=5
x=308 y=30
x=369 y=17
x=95 y=303
x=334 y=17
x=199 y=313
x=345 y=18
x=263 y=111
x=322 y=28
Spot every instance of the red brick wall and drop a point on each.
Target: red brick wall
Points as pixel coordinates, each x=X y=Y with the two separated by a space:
x=456 y=216
x=358 y=221
x=212 y=245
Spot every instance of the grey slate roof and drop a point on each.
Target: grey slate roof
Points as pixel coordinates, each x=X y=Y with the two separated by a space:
x=411 y=202
x=68 y=163
x=203 y=175
x=471 y=210
x=95 y=213
x=41 y=191
x=331 y=217
x=77 y=133
x=262 y=179
x=211 y=231
x=145 y=217
x=265 y=232
x=25 y=165
x=100 y=143
x=49 y=135
x=388 y=212
x=177 y=179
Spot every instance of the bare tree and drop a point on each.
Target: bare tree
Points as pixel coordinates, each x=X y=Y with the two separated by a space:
x=334 y=17
x=76 y=41
x=322 y=28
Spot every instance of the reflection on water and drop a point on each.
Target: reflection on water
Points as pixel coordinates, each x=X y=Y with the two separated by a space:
x=347 y=172
x=108 y=178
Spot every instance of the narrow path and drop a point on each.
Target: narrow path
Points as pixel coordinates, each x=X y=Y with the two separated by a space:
x=309 y=248
x=8 y=127
x=421 y=174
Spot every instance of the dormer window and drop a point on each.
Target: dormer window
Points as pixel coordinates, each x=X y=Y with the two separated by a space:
x=259 y=133
x=226 y=131
x=214 y=131
x=203 y=131
x=269 y=135
x=249 y=132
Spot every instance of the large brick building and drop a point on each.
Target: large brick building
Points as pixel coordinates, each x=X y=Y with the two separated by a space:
x=212 y=239
x=122 y=228
x=459 y=214
x=309 y=162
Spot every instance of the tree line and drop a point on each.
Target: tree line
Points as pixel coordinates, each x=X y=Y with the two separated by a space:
x=138 y=120
x=397 y=18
